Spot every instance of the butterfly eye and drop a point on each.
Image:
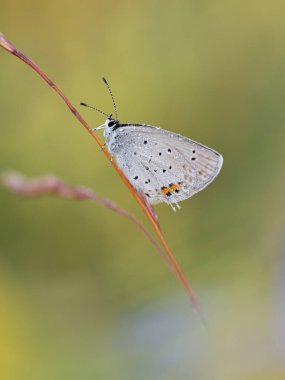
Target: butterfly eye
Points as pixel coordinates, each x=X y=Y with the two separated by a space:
x=111 y=123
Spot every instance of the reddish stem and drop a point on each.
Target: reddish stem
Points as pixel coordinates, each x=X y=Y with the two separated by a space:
x=7 y=45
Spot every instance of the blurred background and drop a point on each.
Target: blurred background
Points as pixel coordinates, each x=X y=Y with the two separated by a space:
x=83 y=294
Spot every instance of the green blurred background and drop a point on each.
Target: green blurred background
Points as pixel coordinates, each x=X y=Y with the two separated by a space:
x=83 y=294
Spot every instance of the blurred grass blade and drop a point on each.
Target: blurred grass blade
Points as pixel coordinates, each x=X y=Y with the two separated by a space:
x=50 y=185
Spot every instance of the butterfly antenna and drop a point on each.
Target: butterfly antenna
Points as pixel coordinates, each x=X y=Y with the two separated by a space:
x=96 y=109
x=113 y=99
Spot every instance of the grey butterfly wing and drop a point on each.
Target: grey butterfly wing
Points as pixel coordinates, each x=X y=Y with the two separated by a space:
x=165 y=166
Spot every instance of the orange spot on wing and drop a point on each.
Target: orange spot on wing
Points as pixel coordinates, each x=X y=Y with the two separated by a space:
x=164 y=190
x=172 y=187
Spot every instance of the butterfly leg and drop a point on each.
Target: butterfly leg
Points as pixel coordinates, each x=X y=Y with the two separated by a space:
x=178 y=206
x=97 y=128
x=175 y=206
x=103 y=146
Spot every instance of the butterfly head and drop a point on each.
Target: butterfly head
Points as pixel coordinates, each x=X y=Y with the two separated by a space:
x=110 y=125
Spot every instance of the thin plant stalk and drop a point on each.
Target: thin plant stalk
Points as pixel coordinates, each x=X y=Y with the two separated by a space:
x=8 y=46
